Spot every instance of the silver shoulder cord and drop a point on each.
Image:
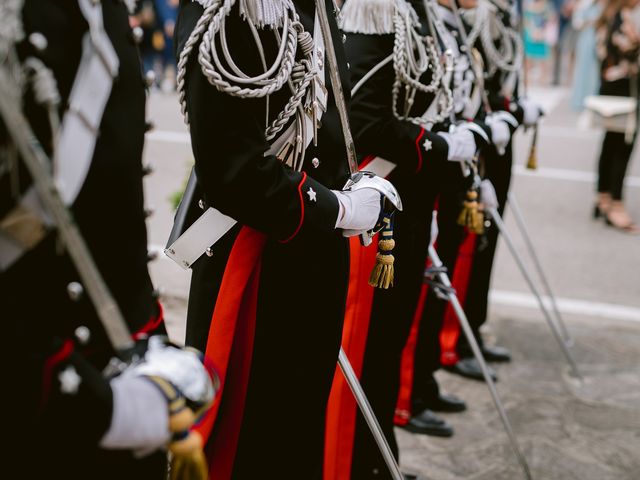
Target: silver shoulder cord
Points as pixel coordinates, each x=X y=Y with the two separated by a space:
x=487 y=27
x=300 y=76
x=412 y=56
x=38 y=164
x=473 y=61
x=444 y=98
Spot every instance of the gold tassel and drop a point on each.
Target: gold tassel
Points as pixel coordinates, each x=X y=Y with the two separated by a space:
x=383 y=272
x=187 y=459
x=532 y=163
x=471 y=216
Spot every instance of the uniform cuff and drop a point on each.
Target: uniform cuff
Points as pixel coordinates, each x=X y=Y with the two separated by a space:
x=318 y=208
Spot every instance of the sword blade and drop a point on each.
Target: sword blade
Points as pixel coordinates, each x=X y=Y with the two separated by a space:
x=515 y=207
x=477 y=353
x=336 y=85
x=369 y=416
x=37 y=163
x=527 y=276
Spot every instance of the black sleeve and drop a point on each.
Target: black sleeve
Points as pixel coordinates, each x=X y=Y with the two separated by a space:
x=412 y=148
x=229 y=145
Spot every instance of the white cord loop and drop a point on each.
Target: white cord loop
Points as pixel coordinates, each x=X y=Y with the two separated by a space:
x=487 y=26
x=413 y=56
x=282 y=18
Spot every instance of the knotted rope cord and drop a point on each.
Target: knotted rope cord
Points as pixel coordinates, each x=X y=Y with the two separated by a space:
x=413 y=55
x=11 y=32
x=210 y=28
x=508 y=57
x=438 y=32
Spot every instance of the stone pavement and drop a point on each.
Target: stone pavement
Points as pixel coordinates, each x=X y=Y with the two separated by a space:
x=588 y=431
x=567 y=430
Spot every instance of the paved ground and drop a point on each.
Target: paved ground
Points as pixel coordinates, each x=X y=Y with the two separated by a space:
x=588 y=431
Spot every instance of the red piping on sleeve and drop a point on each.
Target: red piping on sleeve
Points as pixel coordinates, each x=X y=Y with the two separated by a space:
x=151 y=325
x=49 y=365
x=419 y=149
x=295 y=232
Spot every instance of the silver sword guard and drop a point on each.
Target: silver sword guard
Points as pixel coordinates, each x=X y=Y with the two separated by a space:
x=365 y=179
x=390 y=198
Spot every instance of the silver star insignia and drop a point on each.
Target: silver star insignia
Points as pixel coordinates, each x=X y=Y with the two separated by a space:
x=428 y=145
x=312 y=194
x=69 y=380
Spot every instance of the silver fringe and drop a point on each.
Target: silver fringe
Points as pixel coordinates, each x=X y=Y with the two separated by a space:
x=373 y=16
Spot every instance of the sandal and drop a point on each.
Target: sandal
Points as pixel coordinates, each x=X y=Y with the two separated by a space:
x=602 y=206
x=618 y=217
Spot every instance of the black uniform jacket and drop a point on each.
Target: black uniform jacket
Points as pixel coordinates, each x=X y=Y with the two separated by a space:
x=498 y=99
x=304 y=264
x=376 y=129
x=65 y=428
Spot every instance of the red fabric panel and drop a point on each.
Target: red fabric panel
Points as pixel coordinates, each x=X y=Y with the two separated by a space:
x=460 y=281
x=341 y=409
x=403 y=406
x=229 y=348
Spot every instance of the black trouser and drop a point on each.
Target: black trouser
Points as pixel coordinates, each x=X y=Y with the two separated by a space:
x=498 y=170
x=612 y=165
x=616 y=152
x=427 y=353
x=390 y=323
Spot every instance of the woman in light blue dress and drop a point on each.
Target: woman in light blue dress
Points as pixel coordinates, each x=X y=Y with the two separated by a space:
x=586 y=76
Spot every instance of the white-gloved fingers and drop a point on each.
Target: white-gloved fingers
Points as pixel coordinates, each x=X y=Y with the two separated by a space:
x=531 y=111
x=434 y=227
x=359 y=210
x=181 y=367
x=462 y=145
x=505 y=117
x=475 y=128
x=140 y=417
x=500 y=133
x=488 y=195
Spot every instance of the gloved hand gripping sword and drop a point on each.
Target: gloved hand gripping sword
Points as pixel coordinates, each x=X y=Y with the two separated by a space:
x=183 y=408
x=391 y=202
x=382 y=275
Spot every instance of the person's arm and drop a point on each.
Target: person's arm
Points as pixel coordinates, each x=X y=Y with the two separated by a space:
x=229 y=145
x=129 y=411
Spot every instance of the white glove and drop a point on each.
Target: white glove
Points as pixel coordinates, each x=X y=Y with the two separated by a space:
x=532 y=111
x=462 y=145
x=359 y=210
x=140 y=417
x=488 y=195
x=181 y=367
x=499 y=123
x=434 y=228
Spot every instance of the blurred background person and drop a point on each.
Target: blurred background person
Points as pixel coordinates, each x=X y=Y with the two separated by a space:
x=564 y=49
x=167 y=11
x=540 y=35
x=586 y=77
x=152 y=43
x=618 y=47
